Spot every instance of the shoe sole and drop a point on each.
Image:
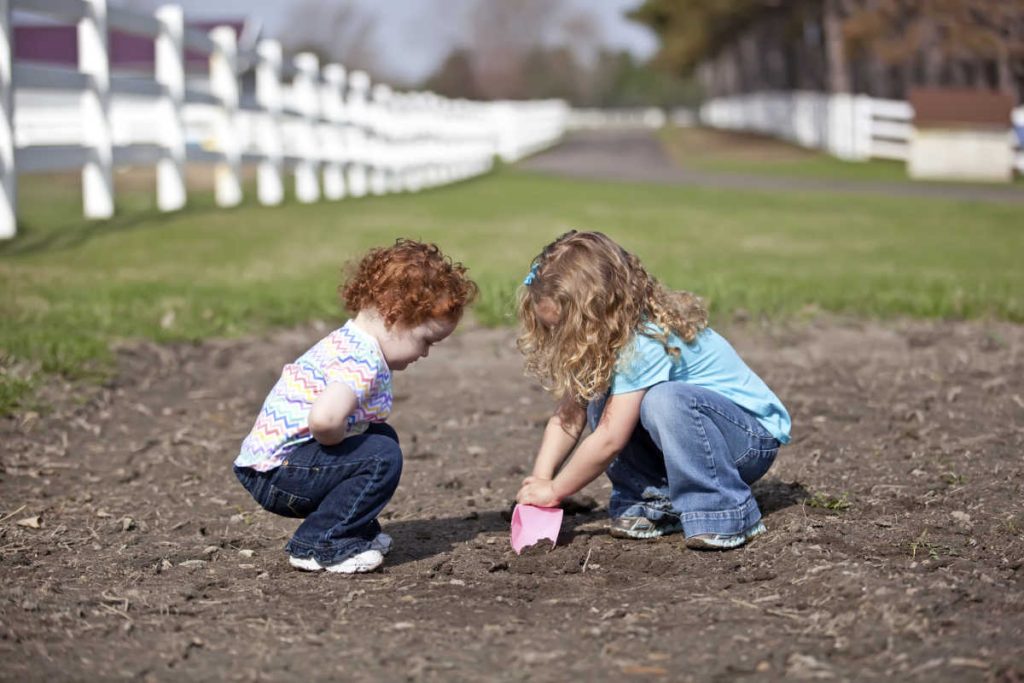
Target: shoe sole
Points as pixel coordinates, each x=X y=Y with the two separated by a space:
x=645 y=535
x=749 y=536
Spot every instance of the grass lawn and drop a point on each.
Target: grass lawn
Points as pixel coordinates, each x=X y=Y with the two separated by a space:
x=72 y=286
x=707 y=149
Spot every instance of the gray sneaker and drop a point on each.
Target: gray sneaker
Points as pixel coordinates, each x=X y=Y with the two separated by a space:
x=726 y=541
x=641 y=527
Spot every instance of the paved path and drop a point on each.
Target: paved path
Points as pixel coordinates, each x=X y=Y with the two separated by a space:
x=637 y=156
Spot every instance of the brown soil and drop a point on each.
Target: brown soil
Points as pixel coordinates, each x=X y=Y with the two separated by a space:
x=895 y=550
x=151 y=562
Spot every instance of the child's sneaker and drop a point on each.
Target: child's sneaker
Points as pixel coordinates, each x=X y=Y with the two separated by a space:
x=366 y=561
x=381 y=545
x=306 y=564
x=641 y=527
x=725 y=541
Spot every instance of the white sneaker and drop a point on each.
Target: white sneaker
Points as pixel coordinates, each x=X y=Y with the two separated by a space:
x=381 y=543
x=366 y=561
x=306 y=564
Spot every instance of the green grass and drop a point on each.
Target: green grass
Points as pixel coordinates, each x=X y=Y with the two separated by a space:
x=825 y=501
x=72 y=286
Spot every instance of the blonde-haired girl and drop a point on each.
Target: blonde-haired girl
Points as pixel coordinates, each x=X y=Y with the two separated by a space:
x=679 y=422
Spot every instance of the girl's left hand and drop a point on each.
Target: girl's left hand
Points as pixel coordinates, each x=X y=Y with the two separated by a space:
x=539 y=492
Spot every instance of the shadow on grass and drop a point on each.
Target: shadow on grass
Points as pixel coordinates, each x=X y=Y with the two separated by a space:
x=34 y=239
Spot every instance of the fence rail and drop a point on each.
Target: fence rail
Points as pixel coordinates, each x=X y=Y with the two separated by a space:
x=853 y=127
x=335 y=131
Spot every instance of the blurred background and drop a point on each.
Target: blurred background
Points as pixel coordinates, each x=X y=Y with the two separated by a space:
x=165 y=167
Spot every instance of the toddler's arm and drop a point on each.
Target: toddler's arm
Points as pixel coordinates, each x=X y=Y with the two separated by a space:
x=328 y=417
x=560 y=436
x=595 y=453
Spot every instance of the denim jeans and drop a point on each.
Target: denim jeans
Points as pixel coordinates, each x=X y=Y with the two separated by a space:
x=693 y=456
x=339 y=490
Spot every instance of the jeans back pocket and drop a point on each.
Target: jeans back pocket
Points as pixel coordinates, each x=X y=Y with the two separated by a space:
x=286 y=504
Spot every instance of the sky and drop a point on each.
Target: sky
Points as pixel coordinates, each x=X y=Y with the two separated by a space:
x=409 y=50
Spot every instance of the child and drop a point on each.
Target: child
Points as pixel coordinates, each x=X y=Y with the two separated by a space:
x=320 y=448
x=682 y=425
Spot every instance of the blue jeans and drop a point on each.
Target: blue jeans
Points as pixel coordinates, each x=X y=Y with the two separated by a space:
x=693 y=456
x=339 y=490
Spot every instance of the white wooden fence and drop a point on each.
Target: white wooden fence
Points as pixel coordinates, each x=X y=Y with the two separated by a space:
x=852 y=127
x=339 y=134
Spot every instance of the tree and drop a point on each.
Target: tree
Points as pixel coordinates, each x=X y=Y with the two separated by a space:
x=875 y=46
x=342 y=32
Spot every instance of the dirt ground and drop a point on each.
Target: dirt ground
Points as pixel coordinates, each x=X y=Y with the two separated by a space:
x=895 y=546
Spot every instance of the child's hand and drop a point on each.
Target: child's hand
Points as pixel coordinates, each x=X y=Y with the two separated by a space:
x=539 y=492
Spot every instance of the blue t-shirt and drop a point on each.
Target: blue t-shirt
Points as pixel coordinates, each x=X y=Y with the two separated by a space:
x=709 y=362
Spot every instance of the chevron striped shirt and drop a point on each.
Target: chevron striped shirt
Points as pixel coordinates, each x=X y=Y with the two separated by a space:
x=347 y=355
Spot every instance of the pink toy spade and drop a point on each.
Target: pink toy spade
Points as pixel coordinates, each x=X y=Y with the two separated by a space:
x=530 y=524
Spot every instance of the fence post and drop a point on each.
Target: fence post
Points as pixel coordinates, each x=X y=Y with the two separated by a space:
x=862 y=127
x=305 y=88
x=380 y=98
x=8 y=174
x=355 y=105
x=333 y=137
x=224 y=86
x=270 y=178
x=93 y=60
x=169 y=71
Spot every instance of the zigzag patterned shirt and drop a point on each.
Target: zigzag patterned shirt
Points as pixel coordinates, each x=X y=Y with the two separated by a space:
x=347 y=355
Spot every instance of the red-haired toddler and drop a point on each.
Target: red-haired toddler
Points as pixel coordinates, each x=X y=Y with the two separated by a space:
x=321 y=448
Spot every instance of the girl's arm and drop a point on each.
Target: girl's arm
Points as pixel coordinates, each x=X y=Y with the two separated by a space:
x=560 y=436
x=328 y=417
x=595 y=453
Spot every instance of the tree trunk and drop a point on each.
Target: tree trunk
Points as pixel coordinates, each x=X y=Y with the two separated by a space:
x=835 y=48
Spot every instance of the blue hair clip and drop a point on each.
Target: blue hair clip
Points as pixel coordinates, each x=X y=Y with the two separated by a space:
x=532 y=275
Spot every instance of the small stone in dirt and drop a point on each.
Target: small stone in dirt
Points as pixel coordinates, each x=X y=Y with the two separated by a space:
x=127 y=524
x=961 y=517
x=457 y=582
x=245 y=552
x=210 y=550
x=192 y=564
x=33 y=522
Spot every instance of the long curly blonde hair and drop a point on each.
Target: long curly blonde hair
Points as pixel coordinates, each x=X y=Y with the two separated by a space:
x=602 y=296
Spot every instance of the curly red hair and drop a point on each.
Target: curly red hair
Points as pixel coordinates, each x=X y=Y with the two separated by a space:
x=408 y=283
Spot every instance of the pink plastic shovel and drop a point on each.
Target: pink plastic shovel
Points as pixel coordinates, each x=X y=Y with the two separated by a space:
x=530 y=524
